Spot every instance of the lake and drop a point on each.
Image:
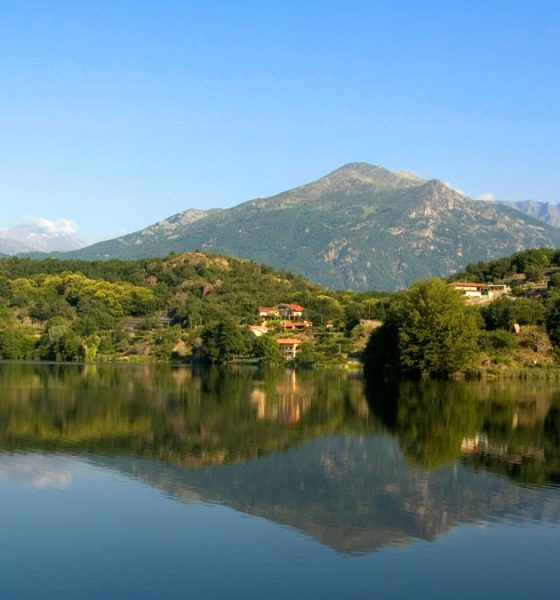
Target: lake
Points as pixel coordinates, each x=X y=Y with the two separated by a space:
x=172 y=482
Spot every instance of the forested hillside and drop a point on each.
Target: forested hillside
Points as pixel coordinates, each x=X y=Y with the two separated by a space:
x=155 y=309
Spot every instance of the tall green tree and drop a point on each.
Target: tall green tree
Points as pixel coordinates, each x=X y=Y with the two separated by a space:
x=429 y=331
x=223 y=341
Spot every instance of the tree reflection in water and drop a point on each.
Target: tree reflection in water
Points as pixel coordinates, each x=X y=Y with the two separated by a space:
x=204 y=417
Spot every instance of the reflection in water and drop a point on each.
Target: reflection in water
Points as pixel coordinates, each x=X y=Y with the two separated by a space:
x=310 y=449
x=37 y=470
x=513 y=429
x=183 y=416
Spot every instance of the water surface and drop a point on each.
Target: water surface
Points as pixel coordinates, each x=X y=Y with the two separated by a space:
x=144 y=482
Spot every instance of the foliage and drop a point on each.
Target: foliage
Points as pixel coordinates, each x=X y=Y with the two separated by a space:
x=305 y=357
x=503 y=313
x=554 y=281
x=267 y=350
x=532 y=263
x=223 y=341
x=16 y=344
x=553 y=322
x=60 y=344
x=429 y=332
x=497 y=340
x=322 y=308
x=118 y=307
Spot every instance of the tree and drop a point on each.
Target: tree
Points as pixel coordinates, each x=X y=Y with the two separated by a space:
x=305 y=357
x=15 y=344
x=553 y=322
x=503 y=313
x=267 y=350
x=223 y=341
x=554 y=281
x=320 y=309
x=429 y=331
x=534 y=257
x=61 y=344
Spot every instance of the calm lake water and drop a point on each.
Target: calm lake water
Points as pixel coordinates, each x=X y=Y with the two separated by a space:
x=160 y=482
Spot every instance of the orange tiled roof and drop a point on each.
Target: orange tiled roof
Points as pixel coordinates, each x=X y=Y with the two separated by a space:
x=296 y=307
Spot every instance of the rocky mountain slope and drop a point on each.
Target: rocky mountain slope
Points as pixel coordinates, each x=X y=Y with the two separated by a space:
x=360 y=227
x=543 y=211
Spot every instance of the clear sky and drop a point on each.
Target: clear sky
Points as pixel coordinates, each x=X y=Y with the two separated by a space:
x=115 y=114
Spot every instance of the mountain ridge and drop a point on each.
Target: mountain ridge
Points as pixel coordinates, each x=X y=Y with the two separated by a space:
x=359 y=227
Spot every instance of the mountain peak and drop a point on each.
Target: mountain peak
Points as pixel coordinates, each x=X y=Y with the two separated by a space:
x=359 y=227
x=376 y=175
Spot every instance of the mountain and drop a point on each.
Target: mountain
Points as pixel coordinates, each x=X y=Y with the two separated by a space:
x=543 y=211
x=37 y=237
x=360 y=227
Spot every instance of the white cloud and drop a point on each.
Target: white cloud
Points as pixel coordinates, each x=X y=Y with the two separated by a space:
x=37 y=470
x=487 y=197
x=58 y=226
x=454 y=189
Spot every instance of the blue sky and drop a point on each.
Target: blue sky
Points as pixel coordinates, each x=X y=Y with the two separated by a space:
x=115 y=114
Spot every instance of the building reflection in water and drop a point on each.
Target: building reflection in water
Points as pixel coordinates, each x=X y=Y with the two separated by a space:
x=286 y=403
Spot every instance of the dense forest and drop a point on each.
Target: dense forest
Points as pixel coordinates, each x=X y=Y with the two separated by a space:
x=183 y=307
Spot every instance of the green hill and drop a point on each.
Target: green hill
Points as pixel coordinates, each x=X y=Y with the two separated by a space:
x=150 y=309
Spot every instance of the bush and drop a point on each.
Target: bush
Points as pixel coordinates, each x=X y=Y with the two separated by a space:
x=498 y=339
x=503 y=313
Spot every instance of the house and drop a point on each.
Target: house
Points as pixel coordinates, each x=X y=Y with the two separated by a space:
x=268 y=312
x=481 y=290
x=497 y=289
x=296 y=325
x=290 y=311
x=289 y=347
x=469 y=289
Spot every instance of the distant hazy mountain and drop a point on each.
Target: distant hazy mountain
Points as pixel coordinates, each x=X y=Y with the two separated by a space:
x=359 y=227
x=543 y=211
x=37 y=237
